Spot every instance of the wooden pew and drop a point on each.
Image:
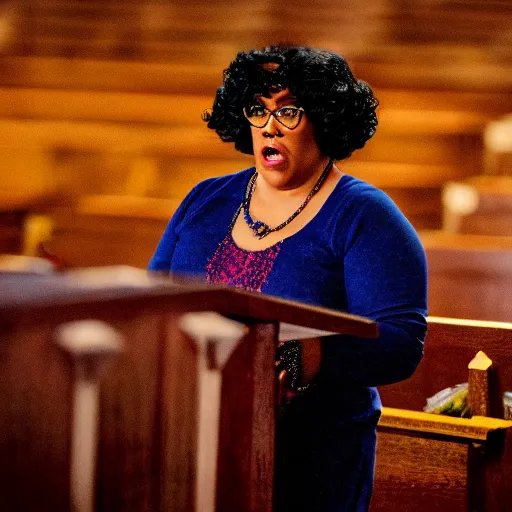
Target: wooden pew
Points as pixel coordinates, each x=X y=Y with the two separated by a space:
x=450 y=346
x=426 y=462
x=89 y=80
x=431 y=462
x=115 y=231
x=427 y=466
x=94 y=232
x=481 y=205
x=74 y=125
x=470 y=276
x=498 y=147
x=79 y=137
x=156 y=128
x=152 y=31
x=448 y=341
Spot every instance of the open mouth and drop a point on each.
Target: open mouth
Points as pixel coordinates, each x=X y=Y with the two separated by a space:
x=272 y=154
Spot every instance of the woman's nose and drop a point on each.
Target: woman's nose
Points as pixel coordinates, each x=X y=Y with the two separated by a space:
x=271 y=129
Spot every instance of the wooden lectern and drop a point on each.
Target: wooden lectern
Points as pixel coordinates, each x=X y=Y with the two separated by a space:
x=146 y=449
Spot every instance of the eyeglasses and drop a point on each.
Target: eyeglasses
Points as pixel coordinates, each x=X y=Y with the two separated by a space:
x=289 y=116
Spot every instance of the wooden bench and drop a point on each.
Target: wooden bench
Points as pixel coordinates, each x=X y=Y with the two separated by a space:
x=430 y=462
x=469 y=276
x=111 y=235
x=74 y=75
x=498 y=147
x=14 y=209
x=426 y=462
x=427 y=466
x=383 y=40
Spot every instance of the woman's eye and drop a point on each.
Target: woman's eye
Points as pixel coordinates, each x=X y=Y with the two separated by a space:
x=288 y=112
x=256 y=111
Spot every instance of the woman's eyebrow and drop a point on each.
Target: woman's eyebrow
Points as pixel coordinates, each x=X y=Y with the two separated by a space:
x=284 y=101
x=256 y=99
x=288 y=100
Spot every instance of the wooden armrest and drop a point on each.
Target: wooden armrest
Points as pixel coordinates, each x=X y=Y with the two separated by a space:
x=423 y=424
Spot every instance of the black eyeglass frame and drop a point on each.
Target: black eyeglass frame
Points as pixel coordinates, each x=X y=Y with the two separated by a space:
x=273 y=113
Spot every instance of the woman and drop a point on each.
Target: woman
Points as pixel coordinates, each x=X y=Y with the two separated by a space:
x=297 y=227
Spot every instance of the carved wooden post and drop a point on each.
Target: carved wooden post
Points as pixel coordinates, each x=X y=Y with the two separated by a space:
x=91 y=344
x=217 y=337
x=478 y=385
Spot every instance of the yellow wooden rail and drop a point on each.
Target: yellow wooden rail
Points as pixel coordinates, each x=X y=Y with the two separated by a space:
x=477 y=428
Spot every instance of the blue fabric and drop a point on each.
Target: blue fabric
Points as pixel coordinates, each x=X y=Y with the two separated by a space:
x=322 y=465
x=358 y=254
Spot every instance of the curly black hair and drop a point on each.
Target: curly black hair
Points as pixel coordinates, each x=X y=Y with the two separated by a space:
x=341 y=108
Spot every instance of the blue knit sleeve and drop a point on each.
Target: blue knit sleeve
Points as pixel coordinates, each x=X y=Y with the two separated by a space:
x=162 y=257
x=386 y=280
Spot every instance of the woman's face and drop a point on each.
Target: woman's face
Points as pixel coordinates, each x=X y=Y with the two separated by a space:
x=285 y=158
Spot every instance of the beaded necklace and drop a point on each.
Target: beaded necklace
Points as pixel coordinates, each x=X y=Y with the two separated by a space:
x=260 y=229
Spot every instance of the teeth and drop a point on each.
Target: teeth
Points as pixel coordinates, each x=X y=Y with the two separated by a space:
x=271 y=154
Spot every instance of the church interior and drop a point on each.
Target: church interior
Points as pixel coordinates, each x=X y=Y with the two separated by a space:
x=101 y=138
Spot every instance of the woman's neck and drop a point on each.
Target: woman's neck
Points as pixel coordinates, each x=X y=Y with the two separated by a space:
x=298 y=188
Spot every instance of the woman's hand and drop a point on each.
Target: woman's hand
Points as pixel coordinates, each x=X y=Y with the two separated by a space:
x=292 y=378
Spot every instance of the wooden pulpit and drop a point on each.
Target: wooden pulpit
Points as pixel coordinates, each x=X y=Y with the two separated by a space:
x=144 y=369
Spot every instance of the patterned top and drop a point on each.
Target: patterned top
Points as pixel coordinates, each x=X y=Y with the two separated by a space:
x=237 y=267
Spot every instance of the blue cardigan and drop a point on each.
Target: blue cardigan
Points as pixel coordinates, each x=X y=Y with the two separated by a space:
x=359 y=254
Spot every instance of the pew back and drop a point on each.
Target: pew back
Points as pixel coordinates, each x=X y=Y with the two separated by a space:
x=449 y=347
x=470 y=276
